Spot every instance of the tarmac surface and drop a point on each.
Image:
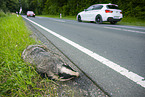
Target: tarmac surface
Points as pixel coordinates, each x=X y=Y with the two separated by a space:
x=82 y=86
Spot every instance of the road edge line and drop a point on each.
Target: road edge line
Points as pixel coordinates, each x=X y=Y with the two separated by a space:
x=129 y=74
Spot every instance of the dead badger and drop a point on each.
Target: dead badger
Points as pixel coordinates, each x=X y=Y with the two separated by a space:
x=48 y=63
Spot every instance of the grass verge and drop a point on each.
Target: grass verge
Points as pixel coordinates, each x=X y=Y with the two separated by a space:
x=132 y=21
x=16 y=77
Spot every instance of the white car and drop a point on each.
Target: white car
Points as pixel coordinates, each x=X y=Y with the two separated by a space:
x=30 y=14
x=100 y=13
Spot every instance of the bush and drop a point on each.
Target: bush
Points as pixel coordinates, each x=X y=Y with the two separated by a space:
x=2 y=14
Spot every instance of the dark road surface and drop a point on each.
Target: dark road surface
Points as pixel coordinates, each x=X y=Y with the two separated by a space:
x=113 y=56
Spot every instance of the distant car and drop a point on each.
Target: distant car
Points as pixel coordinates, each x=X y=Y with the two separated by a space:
x=30 y=14
x=100 y=13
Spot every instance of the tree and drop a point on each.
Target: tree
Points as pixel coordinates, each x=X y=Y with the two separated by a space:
x=134 y=8
x=9 y=5
x=12 y=5
x=3 y=5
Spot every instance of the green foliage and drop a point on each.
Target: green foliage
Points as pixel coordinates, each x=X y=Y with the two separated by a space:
x=2 y=14
x=133 y=8
x=132 y=21
x=9 y=5
x=16 y=77
x=3 y=5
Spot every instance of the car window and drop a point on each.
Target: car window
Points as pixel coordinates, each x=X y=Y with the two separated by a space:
x=30 y=12
x=97 y=7
x=90 y=8
x=112 y=7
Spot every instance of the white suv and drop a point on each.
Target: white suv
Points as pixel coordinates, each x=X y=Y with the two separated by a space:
x=101 y=12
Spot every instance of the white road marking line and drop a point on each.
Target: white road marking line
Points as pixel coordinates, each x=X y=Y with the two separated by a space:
x=125 y=30
x=130 y=75
x=140 y=28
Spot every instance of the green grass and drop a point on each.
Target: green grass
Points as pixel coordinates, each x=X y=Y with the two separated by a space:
x=125 y=21
x=132 y=21
x=2 y=14
x=16 y=77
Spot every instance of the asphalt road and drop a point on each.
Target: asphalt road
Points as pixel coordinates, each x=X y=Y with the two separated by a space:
x=113 y=56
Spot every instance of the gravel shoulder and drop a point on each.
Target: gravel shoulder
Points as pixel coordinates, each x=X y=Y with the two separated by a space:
x=82 y=86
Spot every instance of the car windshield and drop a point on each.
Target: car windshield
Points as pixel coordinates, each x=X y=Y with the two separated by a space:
x=112 y=7
x=95 y=7
x=30 y=12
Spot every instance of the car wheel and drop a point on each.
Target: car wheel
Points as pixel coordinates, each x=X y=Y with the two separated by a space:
x=113 y=22
x=98 y=19
x=79 y=19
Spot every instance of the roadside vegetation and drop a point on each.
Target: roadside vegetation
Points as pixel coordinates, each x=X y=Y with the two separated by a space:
x=18 y=79
x=133 y=10
x=132 y=21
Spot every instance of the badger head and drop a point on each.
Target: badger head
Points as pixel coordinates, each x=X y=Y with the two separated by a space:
x=67 y=73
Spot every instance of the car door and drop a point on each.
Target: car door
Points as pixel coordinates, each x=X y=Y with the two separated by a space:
x=94 y=12
x=86 y=14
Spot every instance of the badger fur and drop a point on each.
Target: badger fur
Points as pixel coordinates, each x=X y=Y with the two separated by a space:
x=48 y=63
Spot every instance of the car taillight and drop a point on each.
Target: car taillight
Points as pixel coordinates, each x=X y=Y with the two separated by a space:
x=120 y=12
x=108 y=11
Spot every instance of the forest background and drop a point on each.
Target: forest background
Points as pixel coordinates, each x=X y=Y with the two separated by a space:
x=130 y=8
